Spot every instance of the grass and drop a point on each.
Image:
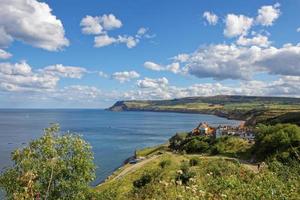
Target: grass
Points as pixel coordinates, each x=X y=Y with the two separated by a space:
x=148 y=151
x=215 y=177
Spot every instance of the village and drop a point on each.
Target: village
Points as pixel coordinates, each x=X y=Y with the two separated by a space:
x=241 y=131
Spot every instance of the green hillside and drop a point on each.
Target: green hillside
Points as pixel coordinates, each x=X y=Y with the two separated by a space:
x=232 y=172
x=253 y=109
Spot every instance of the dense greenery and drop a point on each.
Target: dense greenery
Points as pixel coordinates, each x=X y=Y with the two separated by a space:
x=212 y=178
x=229 y=145
x=54 y=167
x=280 y=142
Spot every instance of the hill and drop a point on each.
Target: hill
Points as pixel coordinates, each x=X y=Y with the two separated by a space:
x=252 y=109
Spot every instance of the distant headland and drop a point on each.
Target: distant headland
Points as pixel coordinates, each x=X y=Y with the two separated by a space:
x=252 y=109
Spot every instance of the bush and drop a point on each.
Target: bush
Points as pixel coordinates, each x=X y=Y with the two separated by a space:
x=194 y=161
x=184 y=174
x=280 y=142
x=164 y=163
x=141 y=182
x=177 y=140
x=230 y=145
x=196 y=145
x=51 y=167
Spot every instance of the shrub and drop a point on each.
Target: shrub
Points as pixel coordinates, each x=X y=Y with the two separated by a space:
x=164 y=163
x=184 y=174
x=196 y=145
x=177 y=140
x=280 y=142
x=141 y=182
x=51 y=167
x=194 y=161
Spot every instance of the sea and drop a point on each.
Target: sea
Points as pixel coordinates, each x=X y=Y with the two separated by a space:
x=114 y=136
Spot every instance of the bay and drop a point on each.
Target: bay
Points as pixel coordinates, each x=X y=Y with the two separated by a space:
x=114 y=136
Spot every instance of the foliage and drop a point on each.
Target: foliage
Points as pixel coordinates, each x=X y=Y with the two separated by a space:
x=52 y=167
x=164 y=163
x=184 y=174
x=231 y=146
x=280 y=142
x=177 y=140
x=145 y=179
x=194 y=161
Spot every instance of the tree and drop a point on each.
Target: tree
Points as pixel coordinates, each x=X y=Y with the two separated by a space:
x=281 y=141
x=55 y=166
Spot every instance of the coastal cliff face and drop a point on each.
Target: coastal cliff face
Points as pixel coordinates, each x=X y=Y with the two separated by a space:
x=251 y=109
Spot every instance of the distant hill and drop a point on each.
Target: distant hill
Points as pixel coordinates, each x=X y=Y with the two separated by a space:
x=252 y=109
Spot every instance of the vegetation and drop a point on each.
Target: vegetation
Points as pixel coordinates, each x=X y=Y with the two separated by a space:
x=280 y=142
x=213 y=174
x=213 y=178
x=61 y=167
x=229 y=145
x=52 y=167
x=254 y=110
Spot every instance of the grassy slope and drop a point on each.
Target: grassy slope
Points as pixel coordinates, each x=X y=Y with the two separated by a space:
x=216 y=178
x=252 y=109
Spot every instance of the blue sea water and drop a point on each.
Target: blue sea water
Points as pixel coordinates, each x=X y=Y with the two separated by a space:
x=114 y=136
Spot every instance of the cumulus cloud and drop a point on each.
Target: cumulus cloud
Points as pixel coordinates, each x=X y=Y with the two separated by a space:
x=104 y=40
x=98 y=24
x=241 y=62
x=298 y=29
x=152 y=83
x=153 y=66
x=4 y=54
x=257 y=40
x=125 y=76
x=91 y=25
x=237 y=25
x=65 y=71
x=20 y=77
x=101 y=25
x=211 y=18
x=173 y=67
x=31 y=22
x=268 y=14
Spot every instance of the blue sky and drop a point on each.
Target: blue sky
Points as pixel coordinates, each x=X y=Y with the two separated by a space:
x=88 y=54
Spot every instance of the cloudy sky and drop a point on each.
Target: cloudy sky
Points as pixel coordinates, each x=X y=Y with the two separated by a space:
x=88 y=54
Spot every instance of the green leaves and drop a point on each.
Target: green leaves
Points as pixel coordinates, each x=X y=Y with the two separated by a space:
x=55 y=166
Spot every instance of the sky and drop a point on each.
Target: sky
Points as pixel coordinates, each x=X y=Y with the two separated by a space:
x=89 y=54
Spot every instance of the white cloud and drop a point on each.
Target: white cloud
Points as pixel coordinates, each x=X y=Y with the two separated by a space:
x=31 y=22
x=237 y=25
x=257 y=40
x=152 y=83
x=298 y=29
x=104 y=40
x=110 y=22
x=4 y=54
x=125 y=76
x=224 y=61
x=91 y=25
x=128 y=40
x=153 y=66
x=211 y=18
x=268 y=14
x=65 y=71
x=98 y=24
x=173 y=67
x=20 y=77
